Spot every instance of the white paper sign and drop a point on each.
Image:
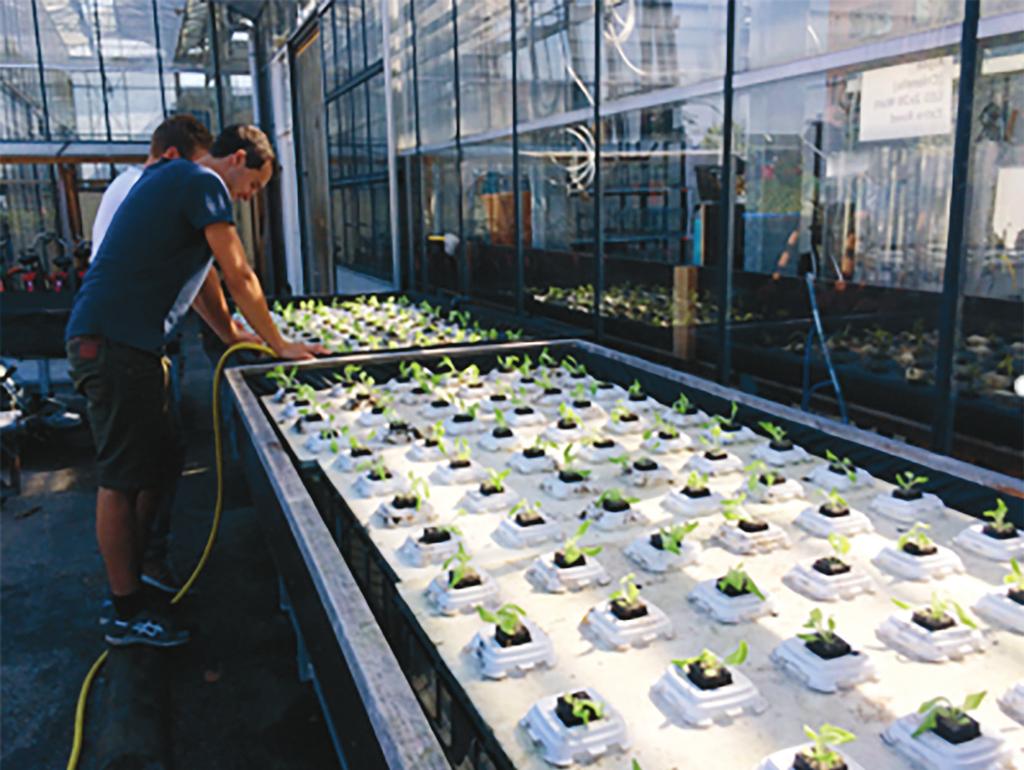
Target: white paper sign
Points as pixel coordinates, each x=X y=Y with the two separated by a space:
x=1008 y=211
x=907 y=100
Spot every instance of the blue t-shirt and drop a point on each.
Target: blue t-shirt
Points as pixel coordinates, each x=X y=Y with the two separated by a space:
x=153 y=258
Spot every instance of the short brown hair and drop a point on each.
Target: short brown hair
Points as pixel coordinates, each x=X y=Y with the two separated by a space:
x=182 y=132
x=244 y=137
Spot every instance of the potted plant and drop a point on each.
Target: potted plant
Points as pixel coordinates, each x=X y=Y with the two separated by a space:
x=732 y=431
x=606 y=393
x=664 y=437
x=743 y=533
x=626 y=619
x=625 y=603
x=834 y=516
x=949 y=722
x=534 y=458
x=303 y=397
x=623 y=421
x=577 y=725
x=515 y=644
x=460 y=468
x=472 y=385
x=376 y=479
x=597 y=448
x=830 y=578
x=780 y=450
x=907 y=501
x=707 y=671
x=581 y=403
x=999 y=539
x=320 y=438
x=431 y=448
x=575 y=369
x=524 y=415
x=917 y=557
x=377 y=413
x=409 y=373
x=568 y=428
x=823 y=640
x=507 y=370
x=838 y=473
x=464 y=422
x=638 y=400
x=569 y=567
x=408 y=507
x=492 y=494
x=509 y=629
x=526 y=525
x=714 y=460
x=498 y=399
x=501 y=437
x=943 y=735
x=286 y=382
x=570 y=480
x=612 y=510
x=643 y=471
x=433 y=545
x=769 y=486
x=822 y=659
x=819 y=754
x=550 y=394
x=461 y=587
x=578 y=708
x=684 y=413
x=702 y=689
x=695 y=498
x=934 y=633
x=666 y=548
x=732 y=598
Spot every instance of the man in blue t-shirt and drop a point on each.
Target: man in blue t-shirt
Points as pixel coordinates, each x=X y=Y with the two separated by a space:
x=154 y=263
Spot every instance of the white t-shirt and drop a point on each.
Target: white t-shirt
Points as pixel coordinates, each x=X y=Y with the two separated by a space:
x=115 y=193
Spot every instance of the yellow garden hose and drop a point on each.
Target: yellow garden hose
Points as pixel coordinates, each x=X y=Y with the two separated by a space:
x=83 y=694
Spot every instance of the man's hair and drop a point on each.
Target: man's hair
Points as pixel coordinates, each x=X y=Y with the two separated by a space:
x=182 y=132
x=242 y=137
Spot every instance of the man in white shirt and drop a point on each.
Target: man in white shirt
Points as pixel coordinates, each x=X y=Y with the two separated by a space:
x=179 y=136
x=115 y=193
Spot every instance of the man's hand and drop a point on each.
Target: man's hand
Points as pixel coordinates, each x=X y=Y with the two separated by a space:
x=240 y=334
x=296 y=351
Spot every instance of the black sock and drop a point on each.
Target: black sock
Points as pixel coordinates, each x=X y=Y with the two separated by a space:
x=154 y=597
x=128 y=606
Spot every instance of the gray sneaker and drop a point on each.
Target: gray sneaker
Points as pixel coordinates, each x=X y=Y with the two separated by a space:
x=148 y=628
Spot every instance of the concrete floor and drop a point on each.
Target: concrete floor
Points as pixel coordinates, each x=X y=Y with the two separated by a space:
x=235 y=698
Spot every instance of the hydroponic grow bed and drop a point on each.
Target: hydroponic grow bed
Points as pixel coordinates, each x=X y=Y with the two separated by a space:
x=633 y=672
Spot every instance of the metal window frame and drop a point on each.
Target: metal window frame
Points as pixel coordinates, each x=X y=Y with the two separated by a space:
x=969 y=32
x=951 y=304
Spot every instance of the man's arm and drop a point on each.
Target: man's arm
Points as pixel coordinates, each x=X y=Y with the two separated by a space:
x=212 y=307
x=245 y=289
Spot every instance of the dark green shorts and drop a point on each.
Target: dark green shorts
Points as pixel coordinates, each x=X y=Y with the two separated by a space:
x=129 y=412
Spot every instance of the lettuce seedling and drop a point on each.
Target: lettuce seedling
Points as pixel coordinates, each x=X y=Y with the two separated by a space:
x=572 y=551
x=942 y=707
x=821 y=751
x=506 y=617
x=710 y=662
x=738 y=580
